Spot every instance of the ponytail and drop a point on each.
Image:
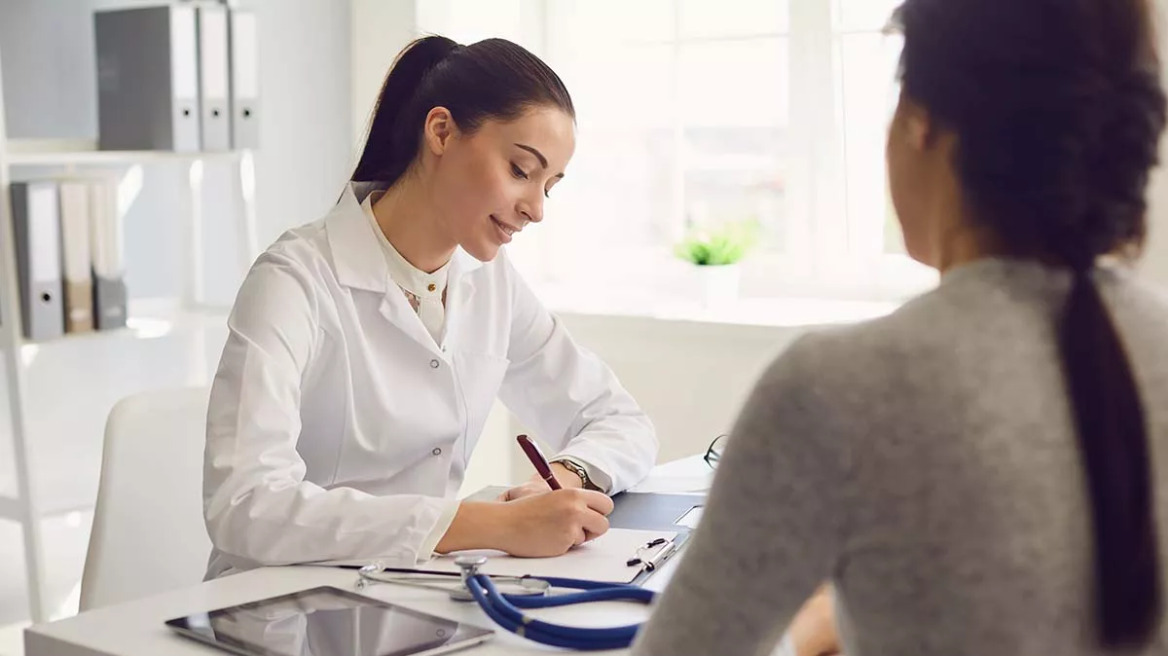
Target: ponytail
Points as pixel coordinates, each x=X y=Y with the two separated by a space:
x=1114 y=444
x=491 y=79
x=390 y=148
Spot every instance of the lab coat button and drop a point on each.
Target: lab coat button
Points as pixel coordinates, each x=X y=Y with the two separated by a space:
x=433 y=364
x=437 y=451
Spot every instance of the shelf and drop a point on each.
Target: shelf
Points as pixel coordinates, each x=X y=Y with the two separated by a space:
x=149 y=319
x=66 y=152
x=10 y=508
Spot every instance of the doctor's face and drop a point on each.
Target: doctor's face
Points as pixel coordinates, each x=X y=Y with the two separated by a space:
x=489 y=185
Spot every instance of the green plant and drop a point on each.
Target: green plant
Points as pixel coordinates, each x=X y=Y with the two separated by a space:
x=724 y=245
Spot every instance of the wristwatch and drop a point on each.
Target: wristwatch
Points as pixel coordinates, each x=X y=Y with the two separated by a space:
x=579 y=470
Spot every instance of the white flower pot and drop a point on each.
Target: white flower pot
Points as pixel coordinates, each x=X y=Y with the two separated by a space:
x=718 y=284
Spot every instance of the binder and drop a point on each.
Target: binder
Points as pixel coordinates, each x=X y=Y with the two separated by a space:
x=215 y=121
x=76 y=260
x=147 y=79
x=245 y=82
x=106 y=246
x=36 y=232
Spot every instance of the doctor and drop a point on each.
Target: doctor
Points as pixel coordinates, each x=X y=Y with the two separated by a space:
x=365 y=350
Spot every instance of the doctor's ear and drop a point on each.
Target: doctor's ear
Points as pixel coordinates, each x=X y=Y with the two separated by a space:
x=438 y=130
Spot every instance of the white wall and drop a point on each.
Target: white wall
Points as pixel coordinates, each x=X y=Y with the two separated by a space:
x=380 y=29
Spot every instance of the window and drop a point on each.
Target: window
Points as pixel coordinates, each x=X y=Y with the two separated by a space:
x=698 y=112
x=868 y=60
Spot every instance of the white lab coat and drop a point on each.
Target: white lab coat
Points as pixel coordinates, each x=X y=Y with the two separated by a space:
x=339 y=430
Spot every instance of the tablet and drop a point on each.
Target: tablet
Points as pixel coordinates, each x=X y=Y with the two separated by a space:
x=327 y=621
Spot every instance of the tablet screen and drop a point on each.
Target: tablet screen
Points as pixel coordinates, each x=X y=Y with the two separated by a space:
x=327 y=621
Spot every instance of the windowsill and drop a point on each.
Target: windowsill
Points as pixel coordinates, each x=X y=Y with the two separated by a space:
x=773 y=312
x=774 y=290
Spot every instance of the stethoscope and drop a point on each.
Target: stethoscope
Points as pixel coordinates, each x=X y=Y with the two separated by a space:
x=504 y=608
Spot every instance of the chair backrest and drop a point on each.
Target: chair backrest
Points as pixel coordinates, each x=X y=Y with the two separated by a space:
x=148 y=532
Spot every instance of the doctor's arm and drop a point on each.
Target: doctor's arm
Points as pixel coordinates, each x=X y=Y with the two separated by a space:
x=570 y=399
x=772 y=529
x=258 y=508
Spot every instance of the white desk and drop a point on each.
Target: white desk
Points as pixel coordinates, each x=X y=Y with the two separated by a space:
x=137 y=627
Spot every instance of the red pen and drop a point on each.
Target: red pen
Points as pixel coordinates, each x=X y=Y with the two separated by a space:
x=538 y=461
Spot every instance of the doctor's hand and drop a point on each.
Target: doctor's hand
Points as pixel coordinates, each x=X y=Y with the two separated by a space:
x=551 y=523
x=536 y=526
x=536 y=485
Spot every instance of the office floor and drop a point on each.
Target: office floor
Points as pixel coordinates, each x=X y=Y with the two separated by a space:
x=71 y=385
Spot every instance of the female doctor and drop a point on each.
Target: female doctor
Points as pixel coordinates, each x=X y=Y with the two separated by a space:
x=365 y=350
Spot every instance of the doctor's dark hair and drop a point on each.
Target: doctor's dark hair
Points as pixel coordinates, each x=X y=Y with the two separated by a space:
x=1057 y=107
x=491 y=79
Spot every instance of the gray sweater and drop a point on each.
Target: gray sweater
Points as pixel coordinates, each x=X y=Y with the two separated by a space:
x=925 y=463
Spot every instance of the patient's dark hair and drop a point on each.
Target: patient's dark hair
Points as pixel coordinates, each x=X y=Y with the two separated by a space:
x=1057 y=107
x=491 y=79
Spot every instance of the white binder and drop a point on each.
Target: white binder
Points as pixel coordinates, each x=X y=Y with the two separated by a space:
x=214 y=78
x=245 y=81
x=76 y=260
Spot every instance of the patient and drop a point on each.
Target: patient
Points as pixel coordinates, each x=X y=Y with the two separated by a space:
x=976 y=473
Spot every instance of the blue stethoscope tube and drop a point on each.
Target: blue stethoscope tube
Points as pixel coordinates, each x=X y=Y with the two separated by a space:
x=504 y=610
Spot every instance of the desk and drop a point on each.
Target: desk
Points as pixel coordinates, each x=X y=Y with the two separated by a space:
x=136 y=627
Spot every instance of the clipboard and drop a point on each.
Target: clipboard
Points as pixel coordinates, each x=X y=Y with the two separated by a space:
x=651 y=511
x=607 y=559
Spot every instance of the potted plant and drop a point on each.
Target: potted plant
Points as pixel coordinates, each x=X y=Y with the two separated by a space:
x=716 y=254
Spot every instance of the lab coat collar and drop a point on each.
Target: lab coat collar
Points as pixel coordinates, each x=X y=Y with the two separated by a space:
x=356 y=252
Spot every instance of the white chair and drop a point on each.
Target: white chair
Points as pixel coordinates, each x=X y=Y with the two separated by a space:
x=148 y=533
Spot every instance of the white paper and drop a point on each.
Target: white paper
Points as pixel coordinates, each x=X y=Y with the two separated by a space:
x=604 y=559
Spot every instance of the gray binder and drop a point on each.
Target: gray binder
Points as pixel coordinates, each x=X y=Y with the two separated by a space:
x=109 y=299
x=214 y=78
x=109 y=280
x=245 y=82
x=147 y=79
x=36 y=230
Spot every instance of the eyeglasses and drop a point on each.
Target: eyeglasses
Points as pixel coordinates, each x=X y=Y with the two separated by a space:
x=714 y=453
